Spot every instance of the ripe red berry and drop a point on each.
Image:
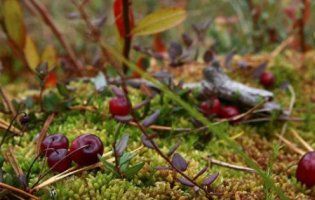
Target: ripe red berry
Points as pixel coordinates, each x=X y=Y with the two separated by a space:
x=267 y=79
x=211 y=107
x=305 y=172
x=55 y=141
x=227 y=112
x=58 y=160
x=85 y=149
x=119 y=106
x=119 y=18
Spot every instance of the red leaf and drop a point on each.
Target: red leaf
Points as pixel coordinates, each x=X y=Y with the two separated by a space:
x=119 y=18
x=142 y=63
x=51 y=80
x=158 y=44
x=307 y=10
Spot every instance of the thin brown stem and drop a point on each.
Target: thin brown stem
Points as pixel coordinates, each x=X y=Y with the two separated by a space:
x=47 y=18
x=43 y=132
x=95 y=32
x=7 y=101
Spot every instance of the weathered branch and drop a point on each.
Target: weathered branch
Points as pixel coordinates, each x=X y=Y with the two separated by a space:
x=219 y=83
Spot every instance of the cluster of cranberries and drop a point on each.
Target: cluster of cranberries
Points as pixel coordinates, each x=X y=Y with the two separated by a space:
x=214 y=107
x=84 y=150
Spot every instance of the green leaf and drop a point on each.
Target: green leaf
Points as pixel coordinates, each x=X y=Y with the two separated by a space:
x=51 y=102
x=159 y=21
x=50 y=56
x=13 y=22
x=131 y=171
x=62 y=89
x=125 y=159
x=31 y=53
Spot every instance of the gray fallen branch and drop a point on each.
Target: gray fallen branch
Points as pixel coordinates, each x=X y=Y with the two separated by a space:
x=219 y=83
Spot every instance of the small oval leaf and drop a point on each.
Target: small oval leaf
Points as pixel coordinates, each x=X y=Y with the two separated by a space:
x=13 y=22
x=31 y=53
x=121 y=145
x=159 y=21
x=118 y=92
x=210 y=179
x=151 y=119
x=50 y=56
x=185 y=182
x=179 y=162
x=123 y=119
x=147 y=142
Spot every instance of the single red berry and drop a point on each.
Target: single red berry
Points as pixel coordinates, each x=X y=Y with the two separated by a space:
x=55 y=141
x=227 y=112
x=267 y=79
x=119 y=106
x=85 y=149
x=211 y=107
x=119 y=17
x=305 y=172
x=58 y=160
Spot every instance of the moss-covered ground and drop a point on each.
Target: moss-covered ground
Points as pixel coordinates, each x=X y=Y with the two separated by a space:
x=257 y=140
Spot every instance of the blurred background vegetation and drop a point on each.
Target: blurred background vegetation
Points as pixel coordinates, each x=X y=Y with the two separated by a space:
x=246 y=26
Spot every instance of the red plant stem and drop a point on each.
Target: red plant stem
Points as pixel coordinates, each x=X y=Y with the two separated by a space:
x=127 y=39
x=302 y=27
x=42 y=10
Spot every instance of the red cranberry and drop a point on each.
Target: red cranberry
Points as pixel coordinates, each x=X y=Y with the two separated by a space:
x=267 y=79
x=85 y=149
x=227 y=112
x=211 y=107
x=119 y=106
x=305 y=172
x=55 y=141
x=59 y=156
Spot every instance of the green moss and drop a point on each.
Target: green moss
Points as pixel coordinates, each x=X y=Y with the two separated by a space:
x=256 y=140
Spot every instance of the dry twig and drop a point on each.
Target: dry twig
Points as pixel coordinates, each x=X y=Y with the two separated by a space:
x=18 y=191
x=43 y=132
